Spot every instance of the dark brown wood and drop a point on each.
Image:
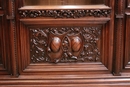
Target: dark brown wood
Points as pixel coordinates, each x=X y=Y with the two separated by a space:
x=1 y=2
x=65 y=46
x=4 y=47
x=127 y=47
x=119 y=37
x=10 y=16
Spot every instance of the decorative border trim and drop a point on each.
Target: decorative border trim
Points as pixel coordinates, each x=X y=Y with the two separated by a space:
x=65 y=13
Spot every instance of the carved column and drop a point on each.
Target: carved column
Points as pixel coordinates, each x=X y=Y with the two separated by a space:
x=12 y=35
x=119 y=36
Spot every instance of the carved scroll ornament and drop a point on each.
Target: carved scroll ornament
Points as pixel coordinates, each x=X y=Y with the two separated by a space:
x=67 y=44
x=64 y=13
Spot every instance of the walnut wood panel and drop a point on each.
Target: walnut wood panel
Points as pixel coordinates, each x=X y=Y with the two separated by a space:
x=37 y=46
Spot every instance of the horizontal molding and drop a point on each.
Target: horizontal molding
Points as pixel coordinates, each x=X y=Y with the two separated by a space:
x=69 y=83
x=64 y=68
x=65 y=7
x=65 y=21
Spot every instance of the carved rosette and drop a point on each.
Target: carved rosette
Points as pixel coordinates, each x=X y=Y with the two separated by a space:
x=65 y=44
x=65 y=13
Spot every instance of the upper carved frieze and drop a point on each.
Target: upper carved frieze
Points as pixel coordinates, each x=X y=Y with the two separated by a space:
x=65 y=13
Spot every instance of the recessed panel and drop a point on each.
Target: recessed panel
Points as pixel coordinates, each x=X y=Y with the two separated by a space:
x=63 y=2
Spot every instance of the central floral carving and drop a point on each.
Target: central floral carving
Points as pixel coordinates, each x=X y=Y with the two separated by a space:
x=65 y=44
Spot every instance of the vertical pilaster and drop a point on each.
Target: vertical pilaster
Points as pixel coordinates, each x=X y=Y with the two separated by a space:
x=119 y=36
x=12 y=35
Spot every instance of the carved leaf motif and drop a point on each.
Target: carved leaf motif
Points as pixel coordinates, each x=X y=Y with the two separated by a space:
x=65 y=44
x=65 y=13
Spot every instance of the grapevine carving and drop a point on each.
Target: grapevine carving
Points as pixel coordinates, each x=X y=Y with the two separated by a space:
x=65 y=44
x=64 y=13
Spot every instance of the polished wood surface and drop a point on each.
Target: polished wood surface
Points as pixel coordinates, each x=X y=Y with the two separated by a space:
x=70 y=45
x=62 y=2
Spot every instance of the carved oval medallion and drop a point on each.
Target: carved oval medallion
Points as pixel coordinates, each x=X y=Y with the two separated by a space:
x=55 y=44
x=76 y=44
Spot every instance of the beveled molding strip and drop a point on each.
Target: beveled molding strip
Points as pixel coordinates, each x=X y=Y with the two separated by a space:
x=70 y=13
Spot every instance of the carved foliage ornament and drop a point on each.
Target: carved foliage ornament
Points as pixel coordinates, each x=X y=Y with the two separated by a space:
x=64 y=13
x=65 y=44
